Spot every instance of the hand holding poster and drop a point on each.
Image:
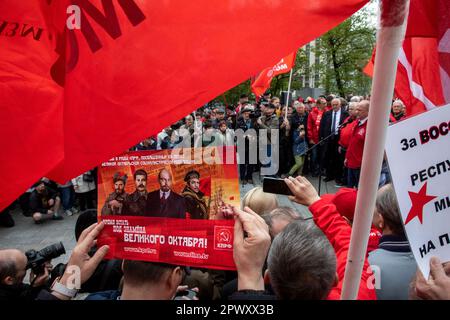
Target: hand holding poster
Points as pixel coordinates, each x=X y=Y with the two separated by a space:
x=418 y=151
x=159 y=206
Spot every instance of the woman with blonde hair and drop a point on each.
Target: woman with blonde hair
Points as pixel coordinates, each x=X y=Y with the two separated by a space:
x=259 y=201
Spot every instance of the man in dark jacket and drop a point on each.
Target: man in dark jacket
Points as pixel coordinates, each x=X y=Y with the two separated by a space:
x=195 y=200
x=136 y=202
x=245 y=123
x=329 y=125
x=44 y=203
x=164 y=202
x=13 y=265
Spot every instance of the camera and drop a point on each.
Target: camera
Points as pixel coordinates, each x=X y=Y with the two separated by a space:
x=36 y=259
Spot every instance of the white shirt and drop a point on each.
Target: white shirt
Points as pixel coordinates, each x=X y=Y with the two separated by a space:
x=335 y=117
x=166 y=194
x=361 y=122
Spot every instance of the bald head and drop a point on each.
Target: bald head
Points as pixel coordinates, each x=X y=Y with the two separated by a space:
x=13 y=265
x=165 y=180
x=363 y=109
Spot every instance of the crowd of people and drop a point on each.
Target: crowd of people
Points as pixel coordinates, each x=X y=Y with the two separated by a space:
x=278 y=253
x=317 y=137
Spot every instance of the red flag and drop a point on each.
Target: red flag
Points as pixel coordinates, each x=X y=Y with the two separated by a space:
x=135 y=67
x=262 y=81
x=422 y=81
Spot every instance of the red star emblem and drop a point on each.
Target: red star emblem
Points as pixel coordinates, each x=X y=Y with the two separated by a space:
x=418 y=200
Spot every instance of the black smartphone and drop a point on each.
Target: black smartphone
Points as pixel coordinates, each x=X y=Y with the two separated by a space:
x=276 y=185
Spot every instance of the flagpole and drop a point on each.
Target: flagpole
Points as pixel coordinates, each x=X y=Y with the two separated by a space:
x=287 y=96
x=389 y=41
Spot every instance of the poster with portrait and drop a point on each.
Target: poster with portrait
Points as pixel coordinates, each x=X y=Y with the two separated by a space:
x=170 y=206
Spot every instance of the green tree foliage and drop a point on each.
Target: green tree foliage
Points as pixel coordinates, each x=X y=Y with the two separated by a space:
x=344 y=52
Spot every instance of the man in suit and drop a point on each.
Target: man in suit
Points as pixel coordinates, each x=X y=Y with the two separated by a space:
x=164 y=202
x=333 y=162
x=135 y=203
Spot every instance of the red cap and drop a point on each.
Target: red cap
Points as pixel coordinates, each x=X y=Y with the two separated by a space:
x=345 y=202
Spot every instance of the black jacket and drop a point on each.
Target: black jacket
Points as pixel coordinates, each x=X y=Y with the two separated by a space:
x=39 y=201
x=174 y=207
x=134 y=204
x=241 y=124
x=22 y=292
x=325 y=123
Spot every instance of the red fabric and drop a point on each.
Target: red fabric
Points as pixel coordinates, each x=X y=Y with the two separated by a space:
x=346 y=133
x=356 y=146
x=345 y=202
x=134 y=67
x=205 y=186
x=262 y=82
x=313 y=126
x=338 y=233
x=426 y=53
x=374 y=239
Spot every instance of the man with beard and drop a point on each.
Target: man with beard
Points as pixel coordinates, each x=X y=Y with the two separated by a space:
x=164 y=202
x=195 y=199
x=114 y=202
x=135 y=202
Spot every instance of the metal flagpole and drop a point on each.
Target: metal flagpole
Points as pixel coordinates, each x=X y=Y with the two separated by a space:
x=389 y=41
x=287 y=96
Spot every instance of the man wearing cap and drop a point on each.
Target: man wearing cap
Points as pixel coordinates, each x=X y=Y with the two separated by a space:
x=164 y=202
x=309 y=103
x=269 y=121
x=195 y=200
x=245 y=123
x=114 y=203
x=243 y=101
x=220 y=116
x=44 y=203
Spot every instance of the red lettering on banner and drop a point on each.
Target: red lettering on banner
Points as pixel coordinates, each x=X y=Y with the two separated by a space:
x=108 y=21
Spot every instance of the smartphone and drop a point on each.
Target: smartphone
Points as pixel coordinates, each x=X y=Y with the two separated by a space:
x=276 y=185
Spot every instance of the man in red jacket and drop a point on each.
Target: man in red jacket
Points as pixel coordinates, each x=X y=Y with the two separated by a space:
x=353 y=157
x=313 y=126
x=345 y=135
x=336 y=230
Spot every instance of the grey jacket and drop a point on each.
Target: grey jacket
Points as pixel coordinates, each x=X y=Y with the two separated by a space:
x=396 y=266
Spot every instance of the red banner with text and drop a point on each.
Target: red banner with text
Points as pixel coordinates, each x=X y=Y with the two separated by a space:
x=170 y=206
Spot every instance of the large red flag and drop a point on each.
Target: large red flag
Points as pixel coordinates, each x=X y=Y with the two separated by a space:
x=422 y=81
x=262 y=81
x=135 y=67
x=31 y=113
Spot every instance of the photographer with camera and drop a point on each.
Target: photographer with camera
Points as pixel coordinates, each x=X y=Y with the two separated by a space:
x=13 y=268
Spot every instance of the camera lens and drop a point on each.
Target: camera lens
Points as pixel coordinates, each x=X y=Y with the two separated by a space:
x=53 y=251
